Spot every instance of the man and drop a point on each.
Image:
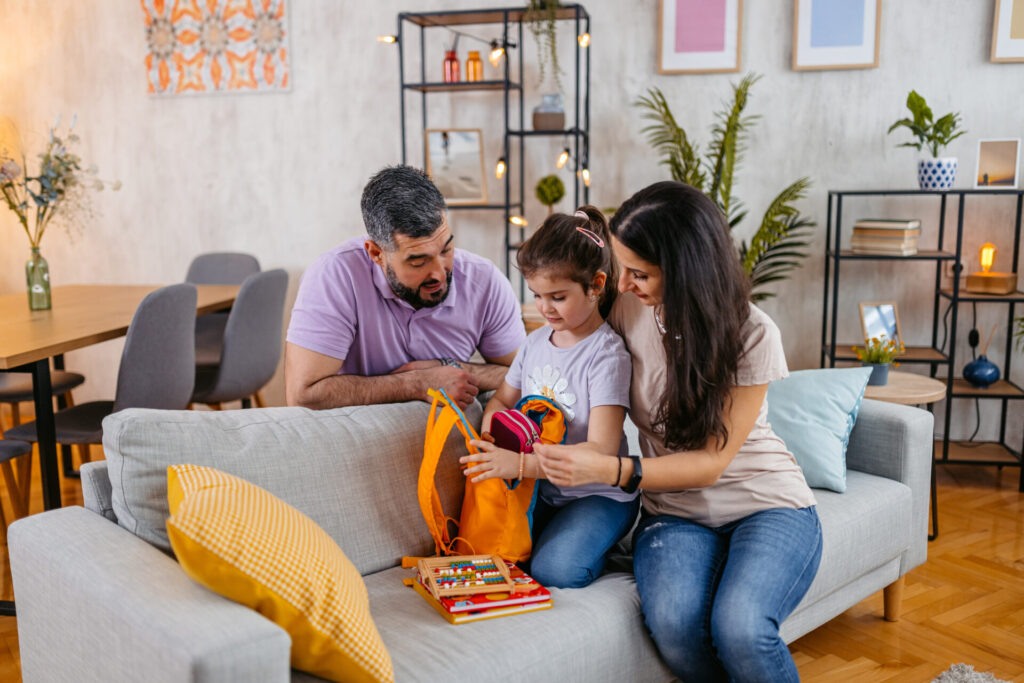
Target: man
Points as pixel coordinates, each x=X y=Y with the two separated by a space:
x=382 y=318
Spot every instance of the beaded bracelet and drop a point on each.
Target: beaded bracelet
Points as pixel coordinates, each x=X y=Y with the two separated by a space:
x=522 y=461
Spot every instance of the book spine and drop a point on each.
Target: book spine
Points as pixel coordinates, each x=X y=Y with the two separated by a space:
x=878 y=223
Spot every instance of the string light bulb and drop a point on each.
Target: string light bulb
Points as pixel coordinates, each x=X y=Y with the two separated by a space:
x=518 y=220
x=497 y=50
x=563 y=157
x=499 y=169
x=387 y=39
x=583 y=39
x=585 y=175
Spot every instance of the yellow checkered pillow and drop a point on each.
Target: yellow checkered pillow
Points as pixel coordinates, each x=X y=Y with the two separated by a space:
x=242 y=542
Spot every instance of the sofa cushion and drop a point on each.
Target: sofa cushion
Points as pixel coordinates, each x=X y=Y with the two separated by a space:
x=243 y=543
x=813 y=411
x=862 y=529
x=594 y=634
x=353 y=471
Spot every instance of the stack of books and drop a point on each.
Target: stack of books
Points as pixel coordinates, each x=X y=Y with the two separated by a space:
x=523 y=594
x=886 y=236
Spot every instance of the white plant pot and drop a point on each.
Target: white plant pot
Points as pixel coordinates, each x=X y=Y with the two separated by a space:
x=936 y=173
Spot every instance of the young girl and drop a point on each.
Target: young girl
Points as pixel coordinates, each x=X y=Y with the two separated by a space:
x=581 y=363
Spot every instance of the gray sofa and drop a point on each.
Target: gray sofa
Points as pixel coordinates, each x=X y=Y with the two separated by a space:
x=99 y=599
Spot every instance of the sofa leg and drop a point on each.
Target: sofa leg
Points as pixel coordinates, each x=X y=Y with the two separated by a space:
x=893 y=594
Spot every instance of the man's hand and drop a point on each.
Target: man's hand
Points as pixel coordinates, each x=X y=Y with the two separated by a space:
x=460 y=386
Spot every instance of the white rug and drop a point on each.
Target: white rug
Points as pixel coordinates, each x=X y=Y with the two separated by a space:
x=964 y=673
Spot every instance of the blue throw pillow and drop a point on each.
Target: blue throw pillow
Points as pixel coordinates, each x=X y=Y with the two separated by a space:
x=813 y=411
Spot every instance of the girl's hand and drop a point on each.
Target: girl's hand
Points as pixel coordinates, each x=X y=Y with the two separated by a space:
x=575 y=465
x=491 y=462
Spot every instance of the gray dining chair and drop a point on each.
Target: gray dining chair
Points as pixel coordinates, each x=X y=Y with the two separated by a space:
x=157 y=370
x=252 y=343
x=217 y=268
x=16 y=387
x=17 y=488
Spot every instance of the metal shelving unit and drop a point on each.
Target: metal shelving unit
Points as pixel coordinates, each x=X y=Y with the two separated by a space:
x=1005 y=390
x=513 y=106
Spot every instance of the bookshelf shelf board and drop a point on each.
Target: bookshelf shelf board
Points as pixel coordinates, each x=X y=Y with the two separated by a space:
x=1001 y=389
x=461 y=86
x=979 y=453
x=913 y=354
x=953 y=191
x=548 y=133
x=1014 y=297
x=921 y=255
x=490 y=16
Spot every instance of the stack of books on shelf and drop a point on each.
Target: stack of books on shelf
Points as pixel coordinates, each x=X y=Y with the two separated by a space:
x=886 y=236
x=473 y=587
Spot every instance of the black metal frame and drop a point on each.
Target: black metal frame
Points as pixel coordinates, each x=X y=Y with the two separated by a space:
x=933 y=355
x=579 y=132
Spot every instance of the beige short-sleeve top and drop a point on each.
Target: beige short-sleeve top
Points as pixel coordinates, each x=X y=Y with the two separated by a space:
x=763 y=474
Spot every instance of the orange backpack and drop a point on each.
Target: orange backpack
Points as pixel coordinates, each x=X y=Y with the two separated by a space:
x=495 y=513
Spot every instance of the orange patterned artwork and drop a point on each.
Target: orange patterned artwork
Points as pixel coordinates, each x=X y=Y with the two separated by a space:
x=211 y=46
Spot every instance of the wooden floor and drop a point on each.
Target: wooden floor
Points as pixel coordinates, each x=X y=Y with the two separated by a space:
x=966 y=604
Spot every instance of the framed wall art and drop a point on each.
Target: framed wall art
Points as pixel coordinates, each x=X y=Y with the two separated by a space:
x=998 y=161
x=1008 y=31
x=699 y=36
x=455 y=162
x=836 y=34
x=880 y=319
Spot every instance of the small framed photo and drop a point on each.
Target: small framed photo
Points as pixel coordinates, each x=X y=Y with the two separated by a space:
x=880 y=319
x=998 y=161
x=699 y=36
x=836 y=34
x=455 y=162
x=1008 y=31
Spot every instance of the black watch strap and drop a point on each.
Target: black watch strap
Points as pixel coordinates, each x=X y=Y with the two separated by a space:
x=634 y=479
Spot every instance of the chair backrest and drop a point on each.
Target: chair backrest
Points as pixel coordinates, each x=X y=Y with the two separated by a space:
x=252 y=338
x=221 y=268
x=158 y=362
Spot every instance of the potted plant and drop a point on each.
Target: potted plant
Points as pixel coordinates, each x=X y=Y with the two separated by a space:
x=935 y=172
x=879 y=353
x=550 y=191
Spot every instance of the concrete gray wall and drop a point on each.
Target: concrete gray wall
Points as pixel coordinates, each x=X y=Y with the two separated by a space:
x=279 y=175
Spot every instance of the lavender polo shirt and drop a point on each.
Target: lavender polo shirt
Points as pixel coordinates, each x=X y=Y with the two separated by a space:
x=346 y=309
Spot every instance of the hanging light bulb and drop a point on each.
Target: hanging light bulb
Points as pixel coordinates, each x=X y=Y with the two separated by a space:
x=987 y=256
x=563 y=158
x=499 y=169
x=518 y=220
x=583 y=39
x=497 y=50
x=387 y=39
x=585 y=174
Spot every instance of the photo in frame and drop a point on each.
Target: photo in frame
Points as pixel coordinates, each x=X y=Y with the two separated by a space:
x=836 y=34
x=998 y=161
x=1008 y=31
x=880 y=319
x=455 y=162
x=699 y=36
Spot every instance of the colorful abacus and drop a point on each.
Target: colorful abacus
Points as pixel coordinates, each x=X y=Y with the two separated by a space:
x=465 y=574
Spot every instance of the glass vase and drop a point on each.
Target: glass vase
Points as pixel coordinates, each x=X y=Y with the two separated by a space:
x=37 y=278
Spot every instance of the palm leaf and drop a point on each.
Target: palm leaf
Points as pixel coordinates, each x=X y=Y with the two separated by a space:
x=782 y=257
x=728 y=142
x=668 y=138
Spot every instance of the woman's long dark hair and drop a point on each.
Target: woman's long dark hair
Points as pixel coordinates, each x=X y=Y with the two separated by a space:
x=705 y=304
x=558 y=246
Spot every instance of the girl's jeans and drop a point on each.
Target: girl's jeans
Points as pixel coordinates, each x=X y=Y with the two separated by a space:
x=713 y=598
x=571 y=542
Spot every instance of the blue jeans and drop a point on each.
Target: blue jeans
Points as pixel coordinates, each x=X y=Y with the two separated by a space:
x=571 y=542
x=713 y=598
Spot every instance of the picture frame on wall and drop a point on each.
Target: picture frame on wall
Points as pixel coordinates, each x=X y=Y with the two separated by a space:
x=836 y=34
x=699 y=36
x=880 y=319
x=998 y=164
x=455 y=162
x=1008 y=31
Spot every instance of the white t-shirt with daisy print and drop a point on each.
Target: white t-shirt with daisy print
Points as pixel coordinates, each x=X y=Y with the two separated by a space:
x=594 y=372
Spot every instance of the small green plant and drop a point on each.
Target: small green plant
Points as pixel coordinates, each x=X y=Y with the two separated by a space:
x=541 y=19
x=879 y=350
x=930 y=133
x=550 y=191
x=1019 y=332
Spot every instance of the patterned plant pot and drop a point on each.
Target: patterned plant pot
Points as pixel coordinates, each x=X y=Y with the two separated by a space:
x=937 y=173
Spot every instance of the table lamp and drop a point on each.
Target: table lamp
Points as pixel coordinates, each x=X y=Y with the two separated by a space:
x=987 y=282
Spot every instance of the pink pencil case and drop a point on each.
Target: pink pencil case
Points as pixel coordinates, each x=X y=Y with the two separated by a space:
x=514 y=431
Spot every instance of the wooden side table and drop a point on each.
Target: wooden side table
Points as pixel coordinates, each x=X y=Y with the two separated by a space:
x=909 y=389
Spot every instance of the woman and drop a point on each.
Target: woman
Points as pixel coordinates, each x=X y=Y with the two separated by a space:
x=729 y=539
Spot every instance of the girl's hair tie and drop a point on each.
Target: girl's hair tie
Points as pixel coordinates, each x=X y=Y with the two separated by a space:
x=582 y=214
x=591 y=235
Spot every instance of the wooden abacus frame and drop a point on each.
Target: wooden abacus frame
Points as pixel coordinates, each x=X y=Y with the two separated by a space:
x=428 y=567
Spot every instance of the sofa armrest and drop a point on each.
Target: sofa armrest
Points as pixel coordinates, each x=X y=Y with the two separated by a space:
x=96 y=603
x=896 y=442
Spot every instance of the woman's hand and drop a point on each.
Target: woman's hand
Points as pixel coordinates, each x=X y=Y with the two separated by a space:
x=575 y=465
x=491 y=462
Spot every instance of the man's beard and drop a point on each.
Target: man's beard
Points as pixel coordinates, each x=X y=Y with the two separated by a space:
x=412 y=296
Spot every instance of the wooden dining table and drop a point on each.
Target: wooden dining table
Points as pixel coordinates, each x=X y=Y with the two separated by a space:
x=81 y=315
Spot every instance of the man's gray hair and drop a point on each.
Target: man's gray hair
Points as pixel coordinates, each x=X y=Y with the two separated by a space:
x=401 y=199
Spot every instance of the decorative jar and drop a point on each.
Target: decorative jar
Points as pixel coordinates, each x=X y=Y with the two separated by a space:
x=936 y=173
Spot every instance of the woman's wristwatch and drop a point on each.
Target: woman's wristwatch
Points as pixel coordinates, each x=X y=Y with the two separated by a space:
x=634 y=479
